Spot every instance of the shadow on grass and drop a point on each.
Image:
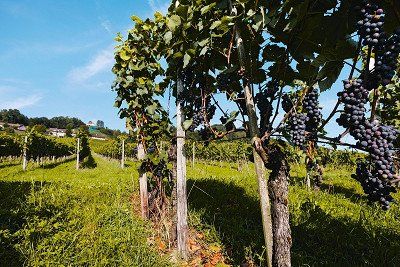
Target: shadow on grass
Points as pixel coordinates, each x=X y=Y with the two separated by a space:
x=89 y=162
x=321 y=239
x=55 y=164
x=318 y=238
x=349 y=193
x=11 y=164
x=12 y=198
x=235 y=215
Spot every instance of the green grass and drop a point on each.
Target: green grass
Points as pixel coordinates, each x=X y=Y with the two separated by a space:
x=334 y=226
x=64 y=217
x=60 y=216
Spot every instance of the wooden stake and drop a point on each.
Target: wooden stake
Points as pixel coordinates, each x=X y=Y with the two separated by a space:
x=24 y=159
x=182 y=226
x=144 y=198
x=193 y=154
x=123 y=154
x=77 y=153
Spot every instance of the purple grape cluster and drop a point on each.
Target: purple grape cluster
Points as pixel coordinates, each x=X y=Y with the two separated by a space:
x=370 y=26
x=372 y=137
x=378 y=141
x=313 y=111
x=195 y=83
x=354 y=98
x=297 y=129
x=386 y=58
x=376 y=189
x=287 y=103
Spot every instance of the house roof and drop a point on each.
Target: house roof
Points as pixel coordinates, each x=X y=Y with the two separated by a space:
x=57 y=130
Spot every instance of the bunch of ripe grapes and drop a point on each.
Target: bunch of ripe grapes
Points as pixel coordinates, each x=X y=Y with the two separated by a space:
x=354 y=98
x=370 y=26
x=313 y=111
x=386 y=58
x=287 y=103
x=372 y=137
x=195 y=87
x=377 y=173
x=376 y=189
x=297 y=129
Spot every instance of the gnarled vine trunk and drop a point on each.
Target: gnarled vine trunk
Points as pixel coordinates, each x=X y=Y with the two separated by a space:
x=279 y=194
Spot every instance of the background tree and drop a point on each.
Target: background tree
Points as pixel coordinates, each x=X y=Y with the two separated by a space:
x=13 y=116
x=100 y=124
x=86 y=159
x=69 y=128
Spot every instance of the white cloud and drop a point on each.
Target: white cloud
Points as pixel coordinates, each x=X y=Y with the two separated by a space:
x=159 y=5
x=102 y=62
x=106 y=24
x=21 y=102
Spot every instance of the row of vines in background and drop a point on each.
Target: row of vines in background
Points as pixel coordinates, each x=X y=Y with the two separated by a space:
x=113 y=148
x=227 y=151
x=10 y=145
x=38 y=145
x=241 y=150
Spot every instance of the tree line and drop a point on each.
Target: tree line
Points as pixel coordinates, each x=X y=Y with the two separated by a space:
x=16 y=117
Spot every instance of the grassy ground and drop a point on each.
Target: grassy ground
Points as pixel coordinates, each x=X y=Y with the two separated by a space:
x=334 y=226
x=63 y=217
x=60 y=216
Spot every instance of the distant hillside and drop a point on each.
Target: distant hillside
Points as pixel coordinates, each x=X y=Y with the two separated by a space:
x=14 y=116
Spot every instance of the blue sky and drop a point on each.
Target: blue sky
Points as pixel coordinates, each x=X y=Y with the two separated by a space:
x=56 y=57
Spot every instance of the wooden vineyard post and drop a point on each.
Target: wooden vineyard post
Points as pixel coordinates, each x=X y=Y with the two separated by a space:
x=123 y=154
x=24 y=159
x=77 y=153
x=144 y=198
x=308 y=180
x=193 y=154
x=182 y=227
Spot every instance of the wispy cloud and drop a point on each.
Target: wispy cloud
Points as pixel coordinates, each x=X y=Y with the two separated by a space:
x=159 y=5
x=102 y=62
x=106 y=25
x=21 y=102
x=26 y=49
